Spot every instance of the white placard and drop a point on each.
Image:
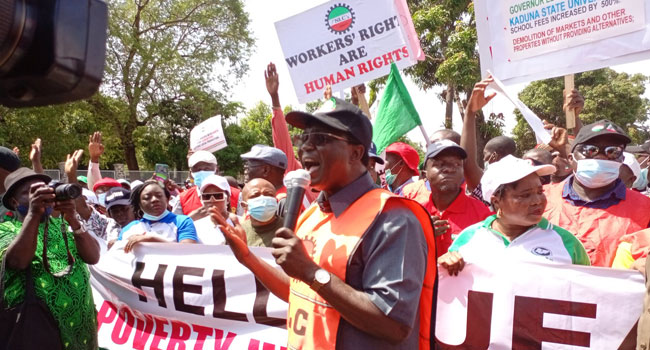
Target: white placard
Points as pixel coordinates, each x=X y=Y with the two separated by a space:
x=196 y=295
x=528 y=305
x=526 y=40
x=208 y=136
x=346 y=43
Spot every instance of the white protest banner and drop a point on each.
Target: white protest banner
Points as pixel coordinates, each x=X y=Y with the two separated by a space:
x=208 y=136
x=526 y=40
x=346 y=43
x=500 y=305
x=532 y=119
x=193 y=296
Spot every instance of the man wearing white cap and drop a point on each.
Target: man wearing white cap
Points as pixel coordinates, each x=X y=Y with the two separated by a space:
x=202 y=164
x=518 y=231
x=215 y=193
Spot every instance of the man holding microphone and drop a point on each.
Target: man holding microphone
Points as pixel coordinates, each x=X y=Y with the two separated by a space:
x=359 y=269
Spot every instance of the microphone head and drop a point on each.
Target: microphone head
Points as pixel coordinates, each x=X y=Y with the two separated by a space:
x=297 y=178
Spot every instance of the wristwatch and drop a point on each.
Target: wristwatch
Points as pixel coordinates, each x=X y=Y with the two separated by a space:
x=79 y=231
x=321 y=278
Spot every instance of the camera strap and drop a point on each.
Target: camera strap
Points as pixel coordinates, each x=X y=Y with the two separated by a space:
x=46 y=263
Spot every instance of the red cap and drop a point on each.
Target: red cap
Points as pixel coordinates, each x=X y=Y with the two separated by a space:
x=107 y=181
x=407 y=153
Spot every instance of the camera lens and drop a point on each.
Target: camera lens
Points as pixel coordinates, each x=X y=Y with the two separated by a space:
x=17 y=27
x=65 y=192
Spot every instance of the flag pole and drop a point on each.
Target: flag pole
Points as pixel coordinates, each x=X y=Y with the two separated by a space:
x=424 y=133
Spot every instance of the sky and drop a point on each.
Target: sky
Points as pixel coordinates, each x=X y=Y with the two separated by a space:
x=251 y=88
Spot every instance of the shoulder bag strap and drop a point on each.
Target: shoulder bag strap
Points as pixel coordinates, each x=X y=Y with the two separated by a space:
x=46 y=262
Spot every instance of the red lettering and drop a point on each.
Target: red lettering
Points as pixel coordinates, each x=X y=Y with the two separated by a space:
x=528 y=323
x=254 y=344
x=349 y=72
x=218 y=336
x=180 y=333
x=363 y=69
x=159 y=334
x=321 y=86
x=388 y=59
x=375 y=62
x=202 y=333
x=370 y=65
x=405 y=51
x=396 y=54
x=339 y=77
x=329 y=80
x=143 y=328
x=309 y=87
x=106 y=314
x=115 y=335
x=479 y=321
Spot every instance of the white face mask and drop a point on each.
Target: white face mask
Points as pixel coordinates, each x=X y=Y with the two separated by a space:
x=597 y=173
x=262 y=208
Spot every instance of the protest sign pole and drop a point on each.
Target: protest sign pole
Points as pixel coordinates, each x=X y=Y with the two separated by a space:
x=569 y=85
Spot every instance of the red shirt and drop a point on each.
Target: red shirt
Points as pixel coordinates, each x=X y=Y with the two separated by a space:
x=463 y=212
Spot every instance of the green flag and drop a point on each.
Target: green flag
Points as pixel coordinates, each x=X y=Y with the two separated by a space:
x=396 y=115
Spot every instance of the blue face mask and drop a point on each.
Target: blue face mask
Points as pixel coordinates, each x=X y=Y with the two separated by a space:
x=597 y=173
x=155 y=218
x=102 y=199
x=642 y=182
x=23 y=210
x=262 y=208
x=199 y=176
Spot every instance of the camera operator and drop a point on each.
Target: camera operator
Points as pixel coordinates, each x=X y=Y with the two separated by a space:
x=54 y=251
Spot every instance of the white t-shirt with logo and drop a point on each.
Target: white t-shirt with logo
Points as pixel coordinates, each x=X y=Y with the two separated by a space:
x=543 y=241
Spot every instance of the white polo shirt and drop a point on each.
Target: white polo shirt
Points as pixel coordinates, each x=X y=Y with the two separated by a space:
x=543 y=241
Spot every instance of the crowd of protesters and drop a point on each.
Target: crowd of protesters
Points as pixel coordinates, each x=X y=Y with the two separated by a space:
x=578 y=200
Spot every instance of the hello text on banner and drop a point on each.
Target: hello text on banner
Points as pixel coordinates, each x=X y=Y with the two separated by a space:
x=346 y=43
x=185 y=296
x=519 y=306
x=200 y=297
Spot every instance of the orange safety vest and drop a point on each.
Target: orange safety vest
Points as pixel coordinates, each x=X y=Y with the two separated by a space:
x=599 y=230
x=190 y=200
x=312 y=322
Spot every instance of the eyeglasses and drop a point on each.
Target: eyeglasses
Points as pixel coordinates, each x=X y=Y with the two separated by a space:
x=611 y=152
x=318 y=138
x=218 y=196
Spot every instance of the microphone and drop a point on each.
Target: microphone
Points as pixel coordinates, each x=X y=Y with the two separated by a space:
x=296 y=182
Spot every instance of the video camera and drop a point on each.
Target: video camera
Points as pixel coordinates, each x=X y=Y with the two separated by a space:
x=64 y=192
x=51 y=51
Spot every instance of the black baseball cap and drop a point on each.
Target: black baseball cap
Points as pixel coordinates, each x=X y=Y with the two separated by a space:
x=9 y=161
x=445 y=145
x=117 y=196
x=600 y=128
x=372 y=153
x=642 y=148
x=339 y=115
x=17 y=178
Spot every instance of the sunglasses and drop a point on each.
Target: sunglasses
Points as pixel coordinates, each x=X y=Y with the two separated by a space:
x=318 y=138
x=611 y=152
x=218 y=196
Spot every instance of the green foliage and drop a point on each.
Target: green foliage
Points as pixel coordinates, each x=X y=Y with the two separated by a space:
x=161 y=53
x=608 y=95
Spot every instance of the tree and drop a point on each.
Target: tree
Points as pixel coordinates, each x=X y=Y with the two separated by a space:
x=162 y=52
x=447 y=32
x=608 y=95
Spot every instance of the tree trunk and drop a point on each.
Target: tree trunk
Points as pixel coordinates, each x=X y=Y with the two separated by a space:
x=129 y=155
x=449 y=112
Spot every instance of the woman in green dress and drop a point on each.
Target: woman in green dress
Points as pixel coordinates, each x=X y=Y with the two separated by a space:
x=67 y=294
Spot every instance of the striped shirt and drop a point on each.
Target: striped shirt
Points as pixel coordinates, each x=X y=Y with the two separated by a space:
x=542 y=241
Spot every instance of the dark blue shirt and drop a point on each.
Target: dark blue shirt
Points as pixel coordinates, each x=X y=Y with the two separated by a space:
x=608 y=199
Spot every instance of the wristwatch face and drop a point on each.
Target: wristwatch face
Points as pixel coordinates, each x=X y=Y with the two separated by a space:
x=322 y=276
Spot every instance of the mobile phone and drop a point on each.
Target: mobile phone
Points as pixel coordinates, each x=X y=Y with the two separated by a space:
x=161 y=173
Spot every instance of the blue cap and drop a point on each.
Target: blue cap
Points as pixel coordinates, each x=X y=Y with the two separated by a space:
x=372 y=153
x=267 y=154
